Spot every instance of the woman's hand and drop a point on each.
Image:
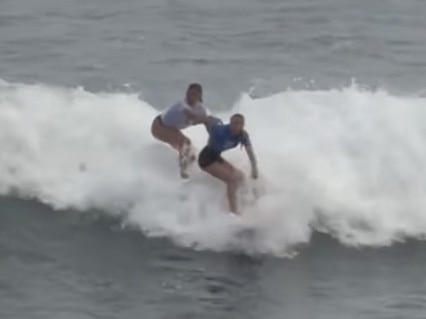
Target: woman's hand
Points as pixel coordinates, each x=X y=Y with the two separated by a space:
x=254 y=172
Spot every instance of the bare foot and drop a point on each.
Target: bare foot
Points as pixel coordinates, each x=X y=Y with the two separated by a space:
x=183 y=165
x=235 y=212
x=184 y=174
x=186 y=157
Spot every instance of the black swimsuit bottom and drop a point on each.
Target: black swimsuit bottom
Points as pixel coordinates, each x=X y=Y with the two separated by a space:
x=208 y=156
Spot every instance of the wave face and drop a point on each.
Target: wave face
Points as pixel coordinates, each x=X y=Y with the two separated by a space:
x=350 y=163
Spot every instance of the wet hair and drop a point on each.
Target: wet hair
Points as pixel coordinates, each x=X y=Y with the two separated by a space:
x=237 y=115
x=196 y=87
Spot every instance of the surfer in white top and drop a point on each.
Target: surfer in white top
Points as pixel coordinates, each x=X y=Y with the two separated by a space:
x=167 y=126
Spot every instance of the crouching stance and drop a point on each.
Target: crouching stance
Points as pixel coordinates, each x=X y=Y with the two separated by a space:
x=223 y=137
x=168 y=126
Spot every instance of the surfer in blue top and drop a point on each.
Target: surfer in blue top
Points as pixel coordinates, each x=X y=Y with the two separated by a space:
x=223 y=137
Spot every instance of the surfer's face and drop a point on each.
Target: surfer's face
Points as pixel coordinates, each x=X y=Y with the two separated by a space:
x=193 y=96
x=237 y=124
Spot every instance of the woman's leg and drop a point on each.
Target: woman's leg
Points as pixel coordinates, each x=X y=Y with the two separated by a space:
x=177 y=140
x=168 y=135
x=227 y=173
x=233 y=185
x=186 y=157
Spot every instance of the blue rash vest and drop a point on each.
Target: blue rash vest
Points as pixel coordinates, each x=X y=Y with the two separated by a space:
x=222 y=139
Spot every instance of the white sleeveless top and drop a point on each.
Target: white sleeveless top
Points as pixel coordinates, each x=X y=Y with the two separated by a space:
x=175 y=116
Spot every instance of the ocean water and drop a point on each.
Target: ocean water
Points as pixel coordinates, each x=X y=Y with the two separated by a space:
x=94 y=219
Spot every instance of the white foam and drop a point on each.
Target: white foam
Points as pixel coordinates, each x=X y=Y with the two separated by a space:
x=347 y=162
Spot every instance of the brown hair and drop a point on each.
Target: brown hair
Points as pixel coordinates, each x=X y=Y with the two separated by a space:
x=196 y=87
x=239 y=115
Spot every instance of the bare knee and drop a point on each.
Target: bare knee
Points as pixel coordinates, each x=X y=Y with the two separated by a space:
x=170 y=136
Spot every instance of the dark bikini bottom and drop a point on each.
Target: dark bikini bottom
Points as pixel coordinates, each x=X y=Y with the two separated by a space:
x=208 y=156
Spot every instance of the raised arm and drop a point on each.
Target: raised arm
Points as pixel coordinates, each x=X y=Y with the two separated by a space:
x=211 y=121
x=196 y=117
